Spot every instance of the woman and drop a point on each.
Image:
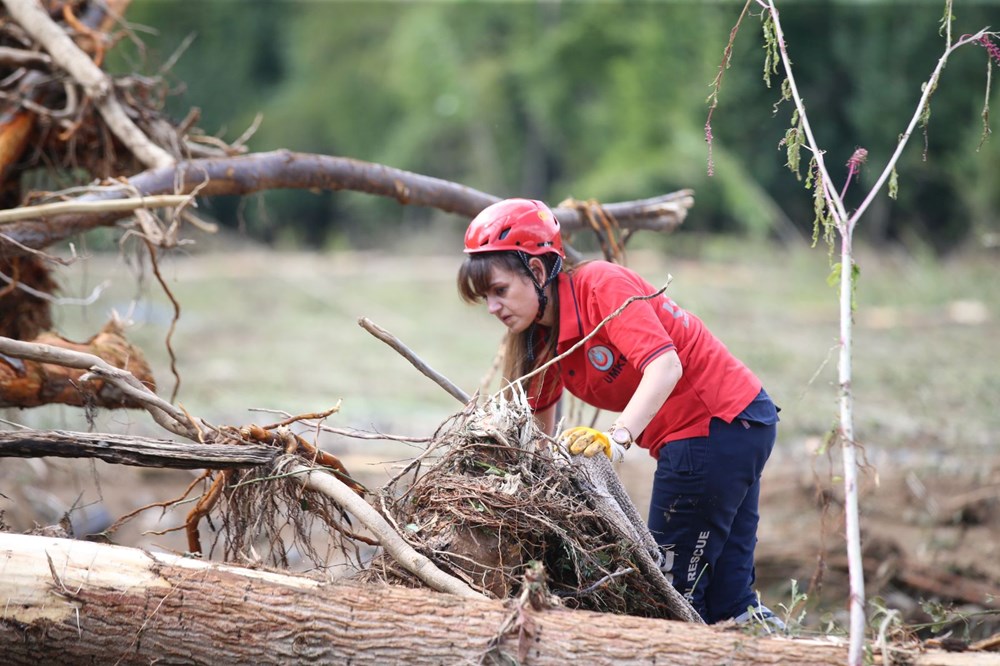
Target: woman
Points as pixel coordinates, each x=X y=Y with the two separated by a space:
x=679 y=392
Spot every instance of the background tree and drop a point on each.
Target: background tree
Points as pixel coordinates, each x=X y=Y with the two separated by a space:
x=553 y=100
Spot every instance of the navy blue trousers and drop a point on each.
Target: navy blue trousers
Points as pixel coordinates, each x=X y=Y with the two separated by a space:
x=703 y=512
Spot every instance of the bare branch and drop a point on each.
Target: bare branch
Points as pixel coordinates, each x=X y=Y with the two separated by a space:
x=283 y=169
x=391 y=340
x=68 y=207
x=394 y=544
x=22 y=58
x=132 y=450
x=165 y=414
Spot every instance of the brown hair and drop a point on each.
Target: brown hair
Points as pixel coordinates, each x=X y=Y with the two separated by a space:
x=473 y=283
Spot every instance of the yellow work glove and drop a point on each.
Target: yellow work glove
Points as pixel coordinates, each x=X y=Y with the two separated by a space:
x=590 y=442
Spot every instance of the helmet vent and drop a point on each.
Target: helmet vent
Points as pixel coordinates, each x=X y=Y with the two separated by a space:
x=503 y=234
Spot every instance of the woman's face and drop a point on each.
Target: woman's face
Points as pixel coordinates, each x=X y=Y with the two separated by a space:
x=511 y=298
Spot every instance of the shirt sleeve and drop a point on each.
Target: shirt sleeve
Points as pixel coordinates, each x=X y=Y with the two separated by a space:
x=638 y=331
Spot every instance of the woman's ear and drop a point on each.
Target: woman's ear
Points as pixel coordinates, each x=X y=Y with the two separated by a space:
x=537 y=267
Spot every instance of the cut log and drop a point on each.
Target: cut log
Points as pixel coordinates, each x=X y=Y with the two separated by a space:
x=71 y=602
x=30 y=383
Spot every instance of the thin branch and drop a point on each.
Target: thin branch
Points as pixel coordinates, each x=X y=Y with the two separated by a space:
x=928 y=90
x=173 y=321
x=314 y=416
x=22 y=58
x=391 y=340
x=42 y=255
x=165 y=414
x=56 y=300
x=113 y=206
x=834 y=203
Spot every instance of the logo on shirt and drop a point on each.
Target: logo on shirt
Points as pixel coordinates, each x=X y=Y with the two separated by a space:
x=601 y=357
x=675 y=310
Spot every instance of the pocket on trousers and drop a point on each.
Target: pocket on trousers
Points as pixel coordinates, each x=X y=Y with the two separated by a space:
x=686 y=457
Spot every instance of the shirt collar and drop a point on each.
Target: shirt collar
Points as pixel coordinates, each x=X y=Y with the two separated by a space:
x=570 y=322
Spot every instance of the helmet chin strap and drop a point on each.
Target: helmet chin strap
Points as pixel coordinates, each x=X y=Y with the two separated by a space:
x=543 y=300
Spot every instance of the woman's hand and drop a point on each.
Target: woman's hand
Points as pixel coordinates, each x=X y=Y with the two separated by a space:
x=590 y=442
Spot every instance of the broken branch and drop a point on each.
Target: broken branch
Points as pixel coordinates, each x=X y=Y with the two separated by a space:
x=132 y=450
x=391 y=340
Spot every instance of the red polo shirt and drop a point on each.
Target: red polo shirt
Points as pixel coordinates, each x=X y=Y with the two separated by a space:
x=606 y=370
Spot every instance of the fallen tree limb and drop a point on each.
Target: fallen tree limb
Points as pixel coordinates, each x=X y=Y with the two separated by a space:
x=132 y=450
x=283 y=169
x=164 y=607
x=71 y=602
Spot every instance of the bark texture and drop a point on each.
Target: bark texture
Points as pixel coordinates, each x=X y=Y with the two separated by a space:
x=131 y=450
x=72 y=602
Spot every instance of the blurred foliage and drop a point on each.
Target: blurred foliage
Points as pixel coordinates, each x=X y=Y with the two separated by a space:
x=601 y=100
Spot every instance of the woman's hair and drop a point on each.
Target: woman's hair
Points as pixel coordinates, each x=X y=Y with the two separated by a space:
x=473 y=284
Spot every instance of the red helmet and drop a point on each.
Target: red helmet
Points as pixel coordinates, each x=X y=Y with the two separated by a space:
x=515 y=224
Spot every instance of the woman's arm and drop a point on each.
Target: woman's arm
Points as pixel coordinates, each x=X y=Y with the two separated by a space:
x=657 y=383
x=547 y=419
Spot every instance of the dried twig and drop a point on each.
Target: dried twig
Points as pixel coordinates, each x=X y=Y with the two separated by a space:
x=391 y=340
x=114 y=205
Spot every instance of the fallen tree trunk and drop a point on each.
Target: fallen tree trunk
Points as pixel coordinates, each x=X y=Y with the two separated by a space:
x=69 y=602
x=66 y=602
x=283 y=169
